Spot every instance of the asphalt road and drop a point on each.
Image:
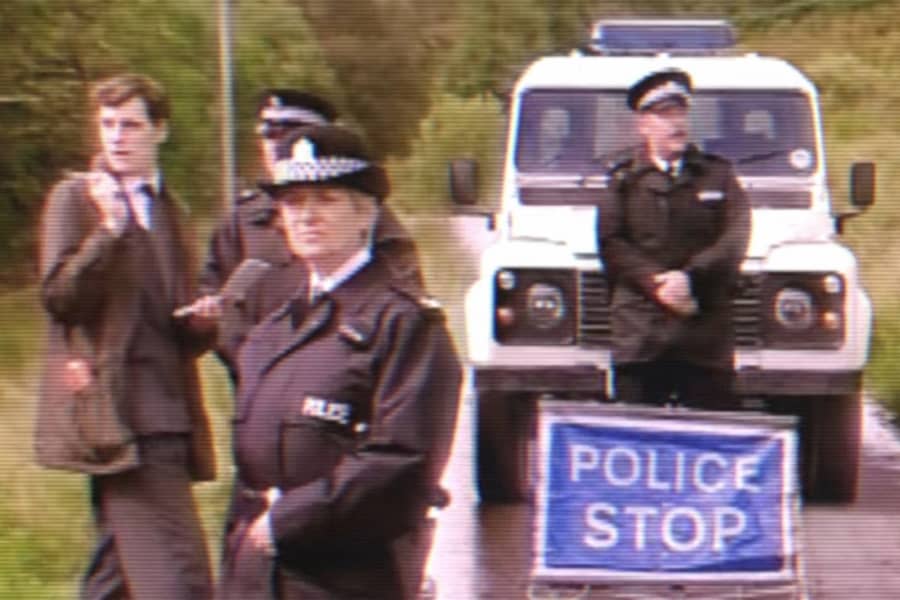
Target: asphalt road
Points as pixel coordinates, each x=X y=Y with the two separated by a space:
x=847 y=552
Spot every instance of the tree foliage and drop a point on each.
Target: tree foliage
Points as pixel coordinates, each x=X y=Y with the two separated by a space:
x=384 y=55
x=497 y=38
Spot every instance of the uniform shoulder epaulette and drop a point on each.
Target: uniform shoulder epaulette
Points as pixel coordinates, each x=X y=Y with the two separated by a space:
x=428 y=304
x=619 y=164
x=713 y=157
x=695 y=151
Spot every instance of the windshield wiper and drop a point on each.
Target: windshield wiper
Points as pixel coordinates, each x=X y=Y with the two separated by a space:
x=761 y=156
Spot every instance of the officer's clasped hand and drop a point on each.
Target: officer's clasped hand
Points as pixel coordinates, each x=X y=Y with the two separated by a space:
x=674 y=292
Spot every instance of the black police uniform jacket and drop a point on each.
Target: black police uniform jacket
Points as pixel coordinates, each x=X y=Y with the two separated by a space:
x=697 y=222
x=248 y=231
x=348 y=406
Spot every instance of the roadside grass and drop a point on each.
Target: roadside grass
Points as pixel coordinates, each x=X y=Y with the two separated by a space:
x=882 y=372
x=46 y=529
x=44 y=520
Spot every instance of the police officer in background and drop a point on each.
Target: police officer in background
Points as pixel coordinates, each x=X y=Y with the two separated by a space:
x=251 y=229
x=347 y=399
x=672 y=236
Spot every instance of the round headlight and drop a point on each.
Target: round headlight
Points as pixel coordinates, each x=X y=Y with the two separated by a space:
x=832 y=284
x=794 y=309
x=545 y=305
x=506 y=280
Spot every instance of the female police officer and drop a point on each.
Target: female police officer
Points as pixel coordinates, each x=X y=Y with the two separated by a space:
x=347 y=400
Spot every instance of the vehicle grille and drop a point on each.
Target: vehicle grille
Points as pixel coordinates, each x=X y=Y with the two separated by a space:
x=594 y=313
x=593 y=301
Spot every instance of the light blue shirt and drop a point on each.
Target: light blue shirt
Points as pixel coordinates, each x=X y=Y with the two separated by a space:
x=141 y=203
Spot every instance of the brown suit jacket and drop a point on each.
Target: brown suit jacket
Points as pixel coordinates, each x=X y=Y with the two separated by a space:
x=109 y=302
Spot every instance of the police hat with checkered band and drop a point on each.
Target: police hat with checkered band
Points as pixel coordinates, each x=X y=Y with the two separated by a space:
x=303 y=107
x=326 y=155
x=670 y=85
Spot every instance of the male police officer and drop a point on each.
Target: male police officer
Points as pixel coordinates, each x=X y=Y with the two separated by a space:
x=672 y=236
x=252 y=230
x=249 y=230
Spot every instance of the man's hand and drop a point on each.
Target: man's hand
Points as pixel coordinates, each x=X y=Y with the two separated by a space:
x=77 y=375
x=203 y=314
x=674 y=292
x=260 y=532
x=107 y=195
x=204 y=307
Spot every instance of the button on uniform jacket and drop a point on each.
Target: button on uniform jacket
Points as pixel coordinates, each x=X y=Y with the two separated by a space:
x=348 y=406
x=109 y=302
x=697 y=222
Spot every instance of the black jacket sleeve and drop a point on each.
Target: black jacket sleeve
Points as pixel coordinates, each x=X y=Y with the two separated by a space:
x=723 y=258
x=623 y=260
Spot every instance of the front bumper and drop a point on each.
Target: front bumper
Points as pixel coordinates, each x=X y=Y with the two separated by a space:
x=584 y=380
x=757 y=382
x=589 y=380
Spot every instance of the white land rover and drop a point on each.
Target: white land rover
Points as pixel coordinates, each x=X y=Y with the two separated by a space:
x=537 y=318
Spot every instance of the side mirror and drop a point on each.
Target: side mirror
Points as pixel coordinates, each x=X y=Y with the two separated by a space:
x=862 y=184
x=463 y=173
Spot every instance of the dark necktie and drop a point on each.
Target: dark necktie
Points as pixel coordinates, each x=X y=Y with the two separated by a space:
x=145 y=194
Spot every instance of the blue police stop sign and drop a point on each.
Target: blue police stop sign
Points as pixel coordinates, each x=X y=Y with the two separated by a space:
x=655 y=494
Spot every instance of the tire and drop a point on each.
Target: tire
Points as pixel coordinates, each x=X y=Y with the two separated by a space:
x=834 y=432
x=505 y=442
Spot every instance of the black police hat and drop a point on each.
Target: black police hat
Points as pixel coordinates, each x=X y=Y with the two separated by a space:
x=326 y=155
x=671 y=84
x=304 y=108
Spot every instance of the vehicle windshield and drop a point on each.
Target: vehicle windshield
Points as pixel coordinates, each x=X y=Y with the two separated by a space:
x=763 y=132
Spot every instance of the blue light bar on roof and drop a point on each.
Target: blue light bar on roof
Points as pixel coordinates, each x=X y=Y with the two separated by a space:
x=613 y=36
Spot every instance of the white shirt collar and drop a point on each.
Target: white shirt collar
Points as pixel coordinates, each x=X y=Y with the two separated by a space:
x=320 y=284
x=155 y=183
x=663 y=165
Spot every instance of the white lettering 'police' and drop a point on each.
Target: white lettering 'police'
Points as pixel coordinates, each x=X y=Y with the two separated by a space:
x=664 y=471
x=327 y=410
x=710 y=195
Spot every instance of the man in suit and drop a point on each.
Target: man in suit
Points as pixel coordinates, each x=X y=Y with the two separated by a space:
x=120 y=398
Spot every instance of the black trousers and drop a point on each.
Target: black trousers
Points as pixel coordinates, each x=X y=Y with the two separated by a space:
x=150 y=544
x=676 y=382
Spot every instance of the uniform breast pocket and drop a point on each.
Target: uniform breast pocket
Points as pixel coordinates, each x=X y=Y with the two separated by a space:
x=705 y=213
x=357 y=362
x=313 y=441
